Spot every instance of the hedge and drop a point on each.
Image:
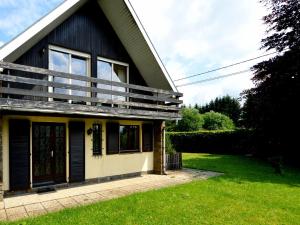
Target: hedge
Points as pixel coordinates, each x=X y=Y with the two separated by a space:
x=222 y=142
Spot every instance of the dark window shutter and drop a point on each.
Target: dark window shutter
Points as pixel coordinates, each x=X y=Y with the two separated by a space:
x=77 y=150
x=147 y=137
x=112 y=138
x=97 y=139
x=19 y=154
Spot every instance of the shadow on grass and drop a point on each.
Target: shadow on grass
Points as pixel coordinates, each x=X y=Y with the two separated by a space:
x=240 y=169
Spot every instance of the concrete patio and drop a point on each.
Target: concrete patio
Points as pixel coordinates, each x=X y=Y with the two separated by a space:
x=34 y=204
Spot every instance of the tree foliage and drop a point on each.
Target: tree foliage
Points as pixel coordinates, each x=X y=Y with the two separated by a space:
x=217 y=121
x=226 y=105
x=191 y=120
x=272 y=106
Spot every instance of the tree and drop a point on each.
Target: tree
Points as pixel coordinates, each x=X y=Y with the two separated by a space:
x=191 y=120
x=217 y=121
x=272 y=106
x=226 y=105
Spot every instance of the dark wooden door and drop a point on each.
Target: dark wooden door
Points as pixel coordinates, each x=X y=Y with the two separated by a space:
x=49 y=150
x=77 y=151
x=19 y=154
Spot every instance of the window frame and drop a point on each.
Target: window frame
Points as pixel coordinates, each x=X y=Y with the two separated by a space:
x=129 y=150
x=70 y=53
x=113 y=62
x=119 y=140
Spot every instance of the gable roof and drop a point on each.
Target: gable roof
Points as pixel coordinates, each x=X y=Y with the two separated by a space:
x=125 y=23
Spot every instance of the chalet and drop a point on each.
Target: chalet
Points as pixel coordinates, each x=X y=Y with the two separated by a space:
x=83 y=98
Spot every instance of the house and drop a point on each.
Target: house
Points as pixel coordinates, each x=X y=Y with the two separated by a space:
x=83 y=98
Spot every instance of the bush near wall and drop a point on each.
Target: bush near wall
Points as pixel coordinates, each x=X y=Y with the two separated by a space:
x=221 y=142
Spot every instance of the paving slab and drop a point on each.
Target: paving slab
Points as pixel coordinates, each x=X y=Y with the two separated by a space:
x=34 y=204
x=67 y=202
x=3 y=214
x=34 y=207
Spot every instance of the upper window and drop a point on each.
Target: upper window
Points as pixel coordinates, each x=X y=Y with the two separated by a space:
x=112 y=71
x=68 y=61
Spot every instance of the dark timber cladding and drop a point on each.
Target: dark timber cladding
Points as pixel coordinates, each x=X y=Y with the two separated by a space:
x=19 y=153
x=77 y=151
x=87 y=31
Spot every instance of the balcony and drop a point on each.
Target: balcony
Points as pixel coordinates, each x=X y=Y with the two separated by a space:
x=31 y=89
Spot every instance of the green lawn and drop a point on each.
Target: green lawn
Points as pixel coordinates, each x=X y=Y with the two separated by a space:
x=248 y=193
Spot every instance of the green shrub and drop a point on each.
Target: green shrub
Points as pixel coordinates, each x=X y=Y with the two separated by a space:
x=220 y=142
x=191 y=120
x=169 y=146
x=217 y=121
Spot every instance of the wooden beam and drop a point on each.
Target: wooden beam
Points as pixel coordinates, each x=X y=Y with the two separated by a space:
x=65 y=108
x=46 y=83
x=30 y=69
x=15 y=91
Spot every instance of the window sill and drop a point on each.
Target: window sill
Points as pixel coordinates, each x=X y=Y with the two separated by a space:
x=124 y=153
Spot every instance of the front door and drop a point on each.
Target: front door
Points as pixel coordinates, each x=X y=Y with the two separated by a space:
x=48 y=153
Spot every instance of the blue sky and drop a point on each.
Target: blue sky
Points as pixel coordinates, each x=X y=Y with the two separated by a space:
x=190 y=38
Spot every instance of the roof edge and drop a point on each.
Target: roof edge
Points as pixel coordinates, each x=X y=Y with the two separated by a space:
x=150 y=44
x=33 y=31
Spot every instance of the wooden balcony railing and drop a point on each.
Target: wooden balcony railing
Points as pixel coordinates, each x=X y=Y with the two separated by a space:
x=25 y=88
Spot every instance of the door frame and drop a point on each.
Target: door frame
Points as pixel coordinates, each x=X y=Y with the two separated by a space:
x=52 y=124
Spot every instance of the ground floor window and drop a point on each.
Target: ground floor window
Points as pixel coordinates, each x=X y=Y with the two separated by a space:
x=122 y=138
x=129 y=138
x=97 y=139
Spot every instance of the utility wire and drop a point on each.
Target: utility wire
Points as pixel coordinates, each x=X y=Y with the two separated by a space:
x=224 y=67
x=214 y=78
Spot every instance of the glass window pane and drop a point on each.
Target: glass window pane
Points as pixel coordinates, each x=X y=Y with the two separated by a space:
x=129 y=138
x=119 y=75
x=97 y=139
x=59 y=61
x=104 y=72
x=79 y=67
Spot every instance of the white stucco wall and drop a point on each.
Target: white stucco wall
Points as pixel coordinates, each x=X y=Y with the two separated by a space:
x=95 y=166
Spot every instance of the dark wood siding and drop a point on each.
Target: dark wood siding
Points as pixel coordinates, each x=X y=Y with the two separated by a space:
x=77 y=151
x=147 y=137
x=19 y=154
x=87 y=31
x=112 y=138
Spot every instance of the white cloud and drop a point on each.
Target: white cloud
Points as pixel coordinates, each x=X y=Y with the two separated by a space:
x=1 y=43
x=199 y=35
x=22 y=13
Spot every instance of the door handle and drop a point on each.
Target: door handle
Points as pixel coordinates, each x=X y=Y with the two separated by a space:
x=52 y=154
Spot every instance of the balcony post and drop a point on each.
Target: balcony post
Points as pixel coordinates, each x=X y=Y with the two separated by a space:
x=159 y=147
x=1 y=160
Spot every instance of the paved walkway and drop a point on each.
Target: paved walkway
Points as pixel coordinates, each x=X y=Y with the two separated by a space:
x=34 y=204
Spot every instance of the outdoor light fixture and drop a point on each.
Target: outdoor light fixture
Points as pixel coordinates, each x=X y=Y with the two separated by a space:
x=90 y=131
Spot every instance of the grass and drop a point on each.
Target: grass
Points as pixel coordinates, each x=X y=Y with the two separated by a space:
x=248 y=193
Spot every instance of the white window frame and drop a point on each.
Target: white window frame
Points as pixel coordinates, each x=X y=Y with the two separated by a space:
x=113 y=62
x=70 y=53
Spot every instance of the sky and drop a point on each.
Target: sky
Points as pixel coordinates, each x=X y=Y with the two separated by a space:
x=190 y=36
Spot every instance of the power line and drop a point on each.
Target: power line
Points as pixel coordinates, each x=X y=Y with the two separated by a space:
x=215 y=78
x=224 y=67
